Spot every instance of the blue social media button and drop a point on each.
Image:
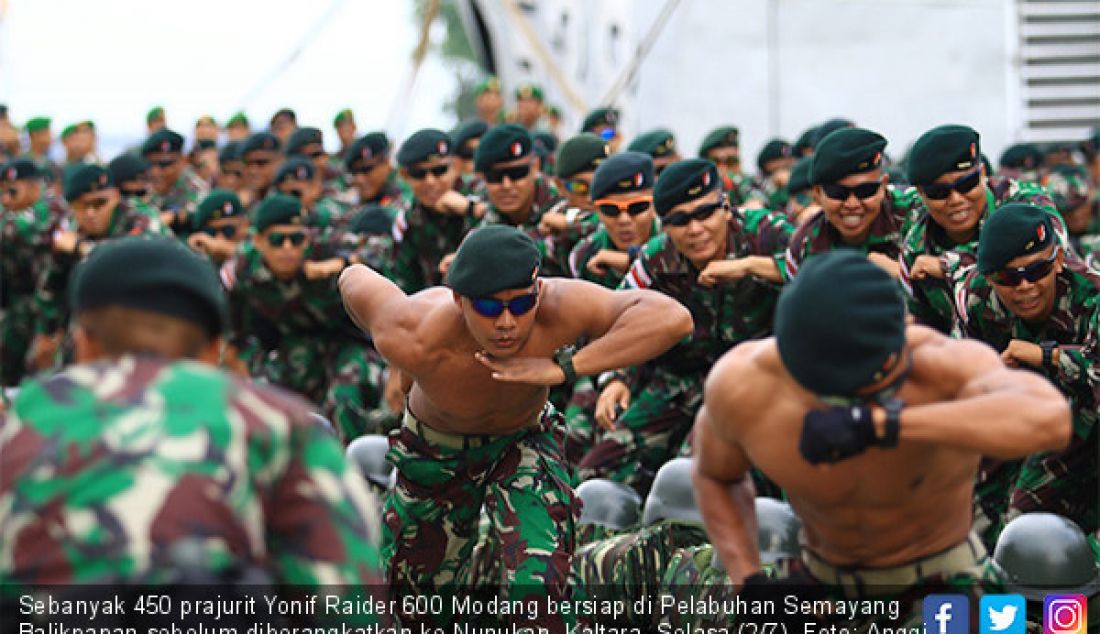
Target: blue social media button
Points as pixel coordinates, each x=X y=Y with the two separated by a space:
x=946 y=614
x=1003 y=614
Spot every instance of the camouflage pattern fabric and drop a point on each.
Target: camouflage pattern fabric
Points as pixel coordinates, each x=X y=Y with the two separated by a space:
x=422 y=238
x=930 y=300
x=692 y=576
x=23 y=239
x=183 y=198
x=430 y=521
x=742 y=189
x=109 y=465
x=587 y=249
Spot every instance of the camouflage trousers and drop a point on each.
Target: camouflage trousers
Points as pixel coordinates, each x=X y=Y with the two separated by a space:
x=16 y=334
x=344 y=377
x=992 y=490
x=580 y=419
x=444 y=480
x=1063 y=482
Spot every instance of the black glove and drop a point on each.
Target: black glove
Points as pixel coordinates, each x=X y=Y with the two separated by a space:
x=836 y=433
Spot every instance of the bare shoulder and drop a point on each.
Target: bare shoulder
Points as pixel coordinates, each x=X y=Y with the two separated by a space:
x=740 y=382
x=960 y=359
x=422 y=324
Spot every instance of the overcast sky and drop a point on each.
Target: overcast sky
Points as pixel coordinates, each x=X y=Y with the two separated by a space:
x=111 y=60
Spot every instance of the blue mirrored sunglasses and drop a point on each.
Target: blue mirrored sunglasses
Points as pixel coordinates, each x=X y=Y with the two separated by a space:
x=490 y=307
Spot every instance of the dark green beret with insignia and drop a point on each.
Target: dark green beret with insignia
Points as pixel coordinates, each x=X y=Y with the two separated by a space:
x=683 y=181
x=163 y=140
x=947 y=148
x=156 y=112
x=19 y=169
x=367 y=148
x=599 y=118
x=36 y=124
x=231 y=152
x=656 y=143
x=805 y=140
x=506 y=142
x=261 y=141
x=492 y=259
x=127 y=167
x=529 y=91
x=278 y=209
x=155 y=274
x=1022 y=156
x=424 y=145
x=343 y=115
x=238 y=119
x=800 y=175
x=490 y=83
x=372 y=219
x=218 y=204
x=1012 y=231
x=773 y=150
x=301 y=138
x=840 y=325
x=847 y=151
x=582 y=153
x=470 y=129
x=86 y=178
x=622 y=173
x=725 y=136
x=296 y=168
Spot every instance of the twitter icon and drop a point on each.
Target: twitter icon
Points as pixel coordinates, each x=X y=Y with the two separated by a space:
x=1003 y=614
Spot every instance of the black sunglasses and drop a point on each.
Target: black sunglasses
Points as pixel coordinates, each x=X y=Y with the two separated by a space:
x=317 y=154
x=1032 y=272
x=258 y=162
x=518 y=172
x=728 y=161
x=962 y=184
x=228 y=231
x=700 y=213
x=297 y=193
x=862 y=191
x=137 y=193
x=237 y=173
x=490 y=307
x=276 y=238
x=11 y=191
x=365 y=168
x=419 y=173
x=163 y=163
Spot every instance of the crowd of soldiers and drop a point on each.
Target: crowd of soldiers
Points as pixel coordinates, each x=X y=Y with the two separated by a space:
x=583 y=357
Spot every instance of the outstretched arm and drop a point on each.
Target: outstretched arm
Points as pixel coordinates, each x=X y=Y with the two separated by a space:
x=379 y=307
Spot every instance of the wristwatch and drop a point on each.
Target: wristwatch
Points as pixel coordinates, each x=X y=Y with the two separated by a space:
x=564 y=358
x=893 y=422
x=1048 y=353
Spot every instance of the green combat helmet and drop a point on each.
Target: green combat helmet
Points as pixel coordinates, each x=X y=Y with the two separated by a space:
x=1043 y=553
x=368 y=454
x=672 y=495
x=610 y=504
x=777 y=530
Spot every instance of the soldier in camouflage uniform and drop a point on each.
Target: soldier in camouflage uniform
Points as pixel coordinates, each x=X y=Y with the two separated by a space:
x=262 y=154
x=297 y=177
x=1075 y=196
x=329 y=175
x=488 y=101
x=372 y=176
x=775 y=161
x=219 y=226
x=26 y=216
x=98 y=214
x=801 y=206
x=284 y=275
x=164 y=462
x=660 y=144
x=176 y=189
x=956 y=198
x=722 y=264
x=478 y=430
x=130 y=173
x=722 y=146
x=604 y=123
x=41 y=139
x=1022 y=162
x=231 y=168
x=465 y=138
x=1036 y=305
x=860 y=210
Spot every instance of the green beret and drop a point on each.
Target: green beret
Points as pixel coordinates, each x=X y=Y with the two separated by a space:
x=237 y=119
x=553 y=111
x=126 y=167
x=1011 y=231
x=284 y=113
x=827 y=128
x=656 y=143
x=69 y=130
x=261 y=141
x=943 y=149
x=156 y=112
x=342 y=116
x=19 y=169
x=218 y=204
x=773 y=150
x=844 y=152
x=490 y=83
x=600 y=117
x=86 y=178
x=622 y=173
x=492 y=259
x=840 y=324
x=424 y=145
x=163 y=140
x=544 y=143
x=1022 y=156
x=230 y=152
x=278 y=209
x=302 y=137
x=155 y=274
x=469 y=129
x=683 y=181
x=529 y=91
x=725 y=136
x=581 y=153
x=505 y=142
x=89 y=123
x=800 y=175
x=367 y=148
x=36 y=124
x=805 y=140
x=372 y=219
x=295 y=168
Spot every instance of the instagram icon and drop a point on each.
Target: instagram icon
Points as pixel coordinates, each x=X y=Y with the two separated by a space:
x=1064 y=614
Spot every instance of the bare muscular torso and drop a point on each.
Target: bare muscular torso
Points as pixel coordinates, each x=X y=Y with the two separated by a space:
x=881 y=508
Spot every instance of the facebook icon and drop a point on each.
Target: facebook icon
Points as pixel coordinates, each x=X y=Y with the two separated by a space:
x=946 y=614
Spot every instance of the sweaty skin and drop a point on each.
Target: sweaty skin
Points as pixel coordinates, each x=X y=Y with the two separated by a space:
x=884 y=507
x=499 y=385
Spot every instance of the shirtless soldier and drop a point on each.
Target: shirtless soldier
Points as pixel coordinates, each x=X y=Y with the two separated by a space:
x=477 y=427
x=881 y=470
